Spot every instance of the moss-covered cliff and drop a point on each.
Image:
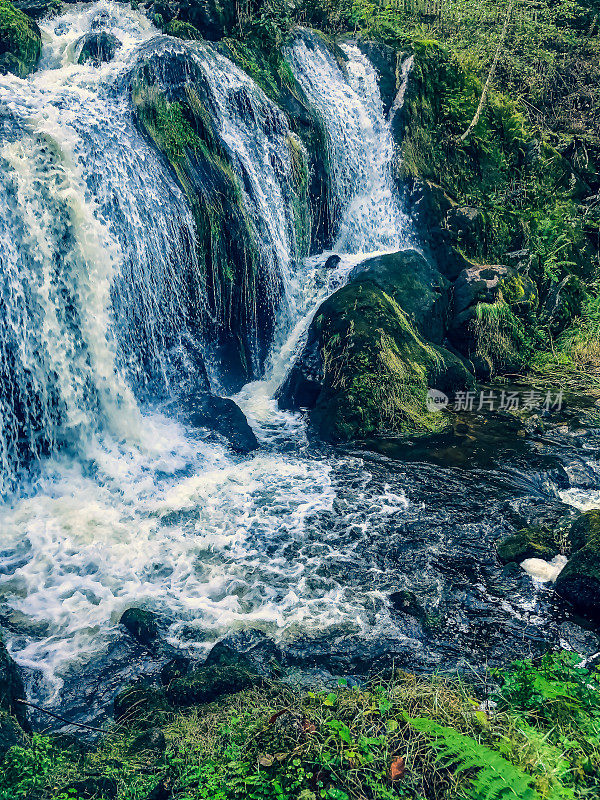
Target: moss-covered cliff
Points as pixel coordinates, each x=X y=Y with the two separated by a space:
x=20 y=41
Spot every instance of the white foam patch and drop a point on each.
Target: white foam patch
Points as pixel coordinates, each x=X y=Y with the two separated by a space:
x=544 y=571
x=582 y=499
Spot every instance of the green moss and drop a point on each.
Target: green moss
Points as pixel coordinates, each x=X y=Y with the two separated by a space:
x=20 y=41
x=181 y=30
x=376 y=367
x=533 y=542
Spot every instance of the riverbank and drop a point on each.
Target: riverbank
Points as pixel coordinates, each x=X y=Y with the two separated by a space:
x=530 y=732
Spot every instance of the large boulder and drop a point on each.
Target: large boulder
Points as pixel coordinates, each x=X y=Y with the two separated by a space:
x=419 y=289
x=97 y=47
x=212 y=19
x=20 y=41
x=36 y=9
x=366 y=366
x=579 y=581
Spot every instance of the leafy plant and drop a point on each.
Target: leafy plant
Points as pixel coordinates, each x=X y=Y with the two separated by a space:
x=494 y=777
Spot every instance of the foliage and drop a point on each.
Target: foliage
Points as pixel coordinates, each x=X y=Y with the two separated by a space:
x=494 y=777
x=424 y=738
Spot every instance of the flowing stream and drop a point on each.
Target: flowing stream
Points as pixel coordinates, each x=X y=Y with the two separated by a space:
x=110 y=502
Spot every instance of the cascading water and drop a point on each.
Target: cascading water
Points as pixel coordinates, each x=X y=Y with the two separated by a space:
x=369 y=212
x=101 y=299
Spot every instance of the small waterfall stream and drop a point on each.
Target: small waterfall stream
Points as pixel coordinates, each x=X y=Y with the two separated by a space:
x=102 y=304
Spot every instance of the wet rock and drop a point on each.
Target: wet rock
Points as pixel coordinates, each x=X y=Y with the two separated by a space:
x=332 y=262
x=141 y=624
x=36 y=9
x=208 y=683
x=11 y=733
x=176 y=667
x=150 y=740
x=249 y=649
x=11 y=688
x=20 y=41
x=211 y=18
x=97 y=48
x=17 y=622
x=527 y=543
x=222 y=415
x=385 y=60
x=467 y=226
x=140 y=703
x=579 y=581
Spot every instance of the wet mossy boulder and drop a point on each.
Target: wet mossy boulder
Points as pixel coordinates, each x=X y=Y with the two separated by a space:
x=36 y=9
x=97 y=47
x=208 y=683
x=579 y=581
x=20 y=41
x=365 y=369
x=141 y=624
x=182 y=30
x=420 y=290
x=374 y=349
x=534 y=542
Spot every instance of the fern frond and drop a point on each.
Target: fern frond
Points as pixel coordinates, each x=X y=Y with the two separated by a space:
x=495 y=778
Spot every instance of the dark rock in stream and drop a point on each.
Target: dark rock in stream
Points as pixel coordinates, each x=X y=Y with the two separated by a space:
x=579 y=581
x=224 y=416
x=97 y=48
x=141 y=624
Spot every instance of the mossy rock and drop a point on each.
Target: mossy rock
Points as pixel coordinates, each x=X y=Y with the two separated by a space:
x=579 y=581
x=585 y=530
x=528 y=543
x=97 y=48
x=20 y=41
x=11 y=733
x=182 y=30
x=365 y=369
x=141 y=624
x=207 y=683
x=141 y=704
x=12 y=688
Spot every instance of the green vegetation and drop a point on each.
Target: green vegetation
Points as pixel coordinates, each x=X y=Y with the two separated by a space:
x=20 y=41
x=427 y=738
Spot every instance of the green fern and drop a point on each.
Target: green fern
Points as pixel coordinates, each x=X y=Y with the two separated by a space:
x=495 y=778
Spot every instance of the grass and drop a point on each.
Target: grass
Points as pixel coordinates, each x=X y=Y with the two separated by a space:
x=422 y=737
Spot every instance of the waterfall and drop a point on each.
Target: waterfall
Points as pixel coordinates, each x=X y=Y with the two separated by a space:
x=258 y=139
x=361 y=148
